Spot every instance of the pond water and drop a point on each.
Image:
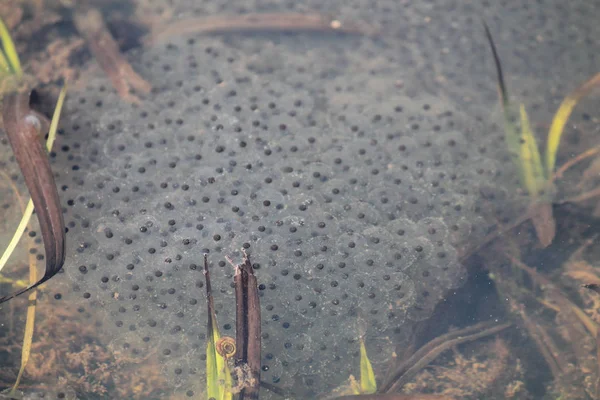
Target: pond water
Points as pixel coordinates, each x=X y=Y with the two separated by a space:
x=354 y=149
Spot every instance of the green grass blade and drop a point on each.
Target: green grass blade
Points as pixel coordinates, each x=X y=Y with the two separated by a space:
x=521 y=143
x=368 y=385
x=4 y=67
x=10 y=50
x=218 y=376
x=55 y=118
x=561 y=117
x=529 y=157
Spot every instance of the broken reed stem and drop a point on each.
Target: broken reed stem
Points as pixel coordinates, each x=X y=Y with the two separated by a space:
x=91 y=27
x=23 y=130
x=261 y=22
x=240 y=280
x=434 y=348
x=248 y=329
x=209 y=297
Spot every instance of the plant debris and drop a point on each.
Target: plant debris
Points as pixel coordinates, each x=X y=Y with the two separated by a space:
x=126 y=81
x=23 y=130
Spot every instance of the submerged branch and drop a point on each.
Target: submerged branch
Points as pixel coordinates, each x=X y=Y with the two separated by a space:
x=91 y=26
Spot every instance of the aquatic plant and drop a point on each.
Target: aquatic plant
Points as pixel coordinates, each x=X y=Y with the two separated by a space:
x=25 y=134
x=227 y=357
x=33 y=280
x=10 y=65
x=536 y=173
x=218 y=375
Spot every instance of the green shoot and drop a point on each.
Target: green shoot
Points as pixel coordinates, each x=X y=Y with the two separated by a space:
x=368 y=385
x=9 y=59
x=218 y=376
x=536 y=177
x=562 y=116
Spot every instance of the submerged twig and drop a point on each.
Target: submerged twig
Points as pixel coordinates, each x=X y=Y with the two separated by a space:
x=393 y=396
x=248 y=329
x=582 y=197
x=434 y=348
x=23 y=131
x=566 y=306
x=91 y=26
x=575 y=160
x=261 y=22
x=534 y=334
x=596 y=288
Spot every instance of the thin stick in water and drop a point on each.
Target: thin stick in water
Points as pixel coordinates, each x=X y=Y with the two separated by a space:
x=262 y=22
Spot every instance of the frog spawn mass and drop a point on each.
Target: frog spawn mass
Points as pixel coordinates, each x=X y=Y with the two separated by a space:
x=353 y=207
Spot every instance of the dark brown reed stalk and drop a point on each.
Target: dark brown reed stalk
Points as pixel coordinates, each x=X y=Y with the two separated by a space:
x=23 y=128
x=248 y=329
x=210 y=302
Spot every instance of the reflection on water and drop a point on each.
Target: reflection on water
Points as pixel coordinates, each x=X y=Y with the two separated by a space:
x=356 y=150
